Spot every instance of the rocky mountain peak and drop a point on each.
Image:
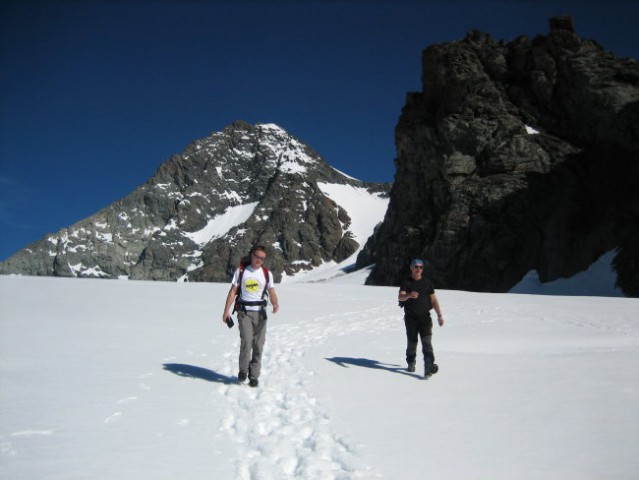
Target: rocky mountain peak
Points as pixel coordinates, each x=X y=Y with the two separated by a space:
x=205 y=208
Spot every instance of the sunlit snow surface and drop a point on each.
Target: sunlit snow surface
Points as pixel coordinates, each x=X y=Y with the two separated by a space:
x=103 y=379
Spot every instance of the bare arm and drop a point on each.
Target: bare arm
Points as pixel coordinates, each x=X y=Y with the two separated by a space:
x=403 y=296
x=435 y=303
x=229 y=301
x=274 y=301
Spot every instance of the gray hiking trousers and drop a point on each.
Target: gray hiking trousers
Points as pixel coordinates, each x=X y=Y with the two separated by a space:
x=252 y=337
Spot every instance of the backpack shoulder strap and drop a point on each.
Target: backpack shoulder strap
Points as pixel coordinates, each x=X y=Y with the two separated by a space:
x=266 y=276
x=238 y=292
x=239 y=277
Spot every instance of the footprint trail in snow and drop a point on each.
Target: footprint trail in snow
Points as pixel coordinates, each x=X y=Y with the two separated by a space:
x=280 y=430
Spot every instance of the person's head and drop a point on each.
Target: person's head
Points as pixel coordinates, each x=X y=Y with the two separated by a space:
x=258 y=255
x=416 y=267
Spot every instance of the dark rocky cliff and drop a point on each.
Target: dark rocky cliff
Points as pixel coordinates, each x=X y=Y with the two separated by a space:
x=514 y=157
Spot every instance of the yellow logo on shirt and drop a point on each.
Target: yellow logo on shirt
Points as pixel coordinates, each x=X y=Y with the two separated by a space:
x=251 y=285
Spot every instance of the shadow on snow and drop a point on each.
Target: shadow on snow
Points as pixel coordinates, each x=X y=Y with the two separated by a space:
x=191 y=371
x=368 y=363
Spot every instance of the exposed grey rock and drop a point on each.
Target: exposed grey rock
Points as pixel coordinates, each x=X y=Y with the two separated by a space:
x=259 y=178
x=515 y=156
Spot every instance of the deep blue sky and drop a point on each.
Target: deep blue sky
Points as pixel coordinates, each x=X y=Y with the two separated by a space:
x=95 y=95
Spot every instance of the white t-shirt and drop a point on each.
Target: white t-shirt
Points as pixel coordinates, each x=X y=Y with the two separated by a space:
x=252 y=285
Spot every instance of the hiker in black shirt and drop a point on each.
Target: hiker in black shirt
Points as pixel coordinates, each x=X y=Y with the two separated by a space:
x=417 y=295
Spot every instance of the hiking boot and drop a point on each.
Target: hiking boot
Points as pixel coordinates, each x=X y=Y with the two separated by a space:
x=253 y=382
x=241 y=377
x=429 y=369
x=411 y=367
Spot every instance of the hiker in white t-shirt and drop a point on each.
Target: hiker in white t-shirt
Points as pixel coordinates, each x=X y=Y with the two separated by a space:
x=255 y=283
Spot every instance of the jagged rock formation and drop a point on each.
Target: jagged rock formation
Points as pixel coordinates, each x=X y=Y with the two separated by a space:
x=515 y=156
x=204 y=209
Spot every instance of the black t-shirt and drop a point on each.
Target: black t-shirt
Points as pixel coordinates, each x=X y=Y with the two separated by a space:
x=417 y=307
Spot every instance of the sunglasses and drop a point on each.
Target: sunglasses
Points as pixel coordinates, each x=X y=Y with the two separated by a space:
x=259 y=258
x=418 y=267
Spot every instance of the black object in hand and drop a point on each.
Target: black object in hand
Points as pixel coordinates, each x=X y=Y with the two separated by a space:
x=229 y=322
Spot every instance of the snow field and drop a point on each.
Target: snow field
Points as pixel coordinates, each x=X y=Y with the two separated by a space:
x=137 y=380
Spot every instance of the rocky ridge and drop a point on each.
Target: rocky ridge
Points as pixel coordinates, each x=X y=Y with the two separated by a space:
x=514 y=157
x=204 y=209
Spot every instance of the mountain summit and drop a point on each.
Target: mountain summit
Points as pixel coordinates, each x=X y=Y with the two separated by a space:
x=206 y=207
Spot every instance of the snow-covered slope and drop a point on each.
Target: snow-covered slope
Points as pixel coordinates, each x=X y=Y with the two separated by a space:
x=130 y=380
x=366 y=210
x=598 y=280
